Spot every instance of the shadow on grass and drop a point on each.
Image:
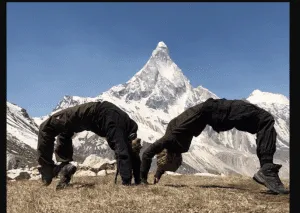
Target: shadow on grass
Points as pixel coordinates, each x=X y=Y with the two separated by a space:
x=266 y=192
x=78 y=185
x=220 y=187
x=205 y=186
x=176 y=185
x=269 y=192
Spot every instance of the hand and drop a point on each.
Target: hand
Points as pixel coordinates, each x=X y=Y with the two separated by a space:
x=136 y=146
x=158 y=175
x=156 y=180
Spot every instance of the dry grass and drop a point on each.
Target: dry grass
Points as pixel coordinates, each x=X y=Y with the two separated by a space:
x=172 y=194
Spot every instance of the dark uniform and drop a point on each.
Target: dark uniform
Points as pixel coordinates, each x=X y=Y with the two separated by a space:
x=221 y=115
x=104 y=119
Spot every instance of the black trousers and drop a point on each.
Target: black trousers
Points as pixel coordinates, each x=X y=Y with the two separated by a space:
x=48 y=130
x=250 y=118
x=136 y=164
x=266 y=139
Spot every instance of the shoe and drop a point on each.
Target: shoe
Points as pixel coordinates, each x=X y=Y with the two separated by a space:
x=47 y=173
x=144 y=182
x=137 y=181
x=126 y=184
x=57 y=169
x=66 y=173
x=268 y=176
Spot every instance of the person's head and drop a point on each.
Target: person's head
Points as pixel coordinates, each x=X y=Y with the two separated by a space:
x=168 y=161
x=136 y=146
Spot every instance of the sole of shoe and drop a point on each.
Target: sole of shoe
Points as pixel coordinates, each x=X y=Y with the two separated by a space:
x=73 y=170
x=60 y=187
x=62 y=184
x=46 y=182
x=258 y=177
x=66 y=178
x=68 y=171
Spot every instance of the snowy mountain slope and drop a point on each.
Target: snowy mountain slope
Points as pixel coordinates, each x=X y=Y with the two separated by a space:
x=21 y=136
x=158 y=93
x=20 y=125
x=19 y=154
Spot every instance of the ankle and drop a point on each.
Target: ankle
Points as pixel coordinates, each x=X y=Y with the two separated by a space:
x=264 y=161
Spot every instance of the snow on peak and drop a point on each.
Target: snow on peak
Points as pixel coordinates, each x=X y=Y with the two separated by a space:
x=161 y=84
x=69 y=101
x=161 y=51
x=258 y=96
x=208 y=93
x=161 y=44
x=13 y=106
x=17 y=110
x=159 y=69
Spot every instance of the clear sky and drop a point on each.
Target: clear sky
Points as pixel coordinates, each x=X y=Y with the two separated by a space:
x=83 y=49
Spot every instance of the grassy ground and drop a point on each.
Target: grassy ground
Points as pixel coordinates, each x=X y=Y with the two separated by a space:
x=173 y=194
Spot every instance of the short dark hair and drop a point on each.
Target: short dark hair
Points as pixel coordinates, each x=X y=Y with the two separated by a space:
x=132 y=136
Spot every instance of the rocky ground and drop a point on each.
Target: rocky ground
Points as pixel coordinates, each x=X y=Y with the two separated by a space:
x=92 y=166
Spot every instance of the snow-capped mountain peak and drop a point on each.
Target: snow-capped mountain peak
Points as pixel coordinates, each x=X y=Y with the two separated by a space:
x=258 y=96
x=68 y=101
x=166 y=67
x=160 y=84
x=161 y=44
x=161 y=50
x=158 y=93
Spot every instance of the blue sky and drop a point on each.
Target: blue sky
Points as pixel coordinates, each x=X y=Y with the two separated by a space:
x=83 y=49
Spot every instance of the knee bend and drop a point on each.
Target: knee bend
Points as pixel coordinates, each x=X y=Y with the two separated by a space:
x=270 y=120
x=267 y=121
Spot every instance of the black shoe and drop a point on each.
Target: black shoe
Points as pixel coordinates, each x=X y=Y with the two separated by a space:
x=47 y=174
x=126 y=184
x=66 y=173
x=57 y=169
x=144 y=182
x=268 y=176
x=137 y=181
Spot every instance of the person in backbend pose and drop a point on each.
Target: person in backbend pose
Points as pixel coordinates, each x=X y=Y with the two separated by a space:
x=221 y=115
x=104 y=119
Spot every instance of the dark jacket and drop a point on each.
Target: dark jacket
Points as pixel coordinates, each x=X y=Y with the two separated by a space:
x=98 y=117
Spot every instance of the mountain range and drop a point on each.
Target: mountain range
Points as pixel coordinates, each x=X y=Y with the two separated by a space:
x=152 y=97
